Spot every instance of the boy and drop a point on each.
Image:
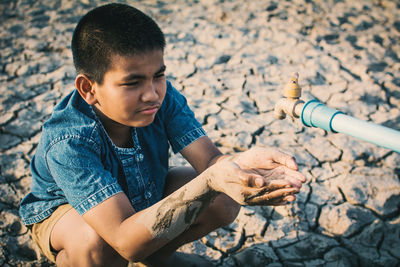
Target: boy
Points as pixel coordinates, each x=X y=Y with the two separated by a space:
x=102 y=193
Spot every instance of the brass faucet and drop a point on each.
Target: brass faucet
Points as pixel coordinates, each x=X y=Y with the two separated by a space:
x=291 y=104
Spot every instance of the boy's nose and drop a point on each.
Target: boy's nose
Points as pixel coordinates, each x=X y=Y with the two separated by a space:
x=150 y=93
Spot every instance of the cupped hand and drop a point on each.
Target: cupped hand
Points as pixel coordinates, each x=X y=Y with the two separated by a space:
x=253 y=186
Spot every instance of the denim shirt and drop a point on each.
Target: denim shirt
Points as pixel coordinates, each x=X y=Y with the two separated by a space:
x=77 y=163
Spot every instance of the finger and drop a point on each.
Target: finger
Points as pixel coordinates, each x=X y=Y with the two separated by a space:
x=277 y=172
x=277 y=184
x=259 y=182
x=289 y=198
x=263 y=198
x=249 y=193
x=265 y=158
x=284 y=159
x=284 y=201
x=281 y=193
x=251 y=179
x=295 y=174
x=274 y=155
x=294 y=177
x=255 y=181
x=293 y=182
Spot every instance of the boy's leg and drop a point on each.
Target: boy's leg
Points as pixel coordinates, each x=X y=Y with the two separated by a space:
x=221 y=212
x=78 y=244
x=41 y=231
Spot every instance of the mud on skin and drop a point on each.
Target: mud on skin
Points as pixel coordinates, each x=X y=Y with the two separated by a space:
x=169 y=209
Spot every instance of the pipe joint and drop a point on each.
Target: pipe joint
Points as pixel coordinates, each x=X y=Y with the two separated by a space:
x=316 y=114
x=288 y=106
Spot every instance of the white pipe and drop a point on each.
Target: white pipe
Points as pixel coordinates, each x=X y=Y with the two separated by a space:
x=370 y=132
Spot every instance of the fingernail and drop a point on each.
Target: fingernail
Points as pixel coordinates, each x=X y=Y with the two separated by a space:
x=292 y=164
x=259 y=182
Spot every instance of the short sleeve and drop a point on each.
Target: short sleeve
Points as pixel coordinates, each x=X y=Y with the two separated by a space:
x=75 y=163
x=181 y=125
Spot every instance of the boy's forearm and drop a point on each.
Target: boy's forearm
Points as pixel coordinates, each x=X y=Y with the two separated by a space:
x=174 y=214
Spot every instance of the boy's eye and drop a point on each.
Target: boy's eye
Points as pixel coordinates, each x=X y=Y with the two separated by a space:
x=160 y=75
x=131 y=83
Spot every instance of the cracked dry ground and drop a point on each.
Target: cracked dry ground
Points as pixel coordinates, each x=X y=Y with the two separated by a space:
x=231 y=59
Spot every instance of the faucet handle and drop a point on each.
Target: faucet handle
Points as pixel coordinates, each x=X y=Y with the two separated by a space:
x=292 y=88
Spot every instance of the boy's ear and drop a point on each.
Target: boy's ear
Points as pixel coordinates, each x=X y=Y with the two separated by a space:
x=85 y=88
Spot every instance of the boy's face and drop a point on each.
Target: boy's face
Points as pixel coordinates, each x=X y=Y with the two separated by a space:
x=133 y=89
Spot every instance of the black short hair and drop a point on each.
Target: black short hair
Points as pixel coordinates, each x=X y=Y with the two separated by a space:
x=110 y=30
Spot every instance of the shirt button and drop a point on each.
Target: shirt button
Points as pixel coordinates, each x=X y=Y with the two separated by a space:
x=148 y=194
x=139 y=157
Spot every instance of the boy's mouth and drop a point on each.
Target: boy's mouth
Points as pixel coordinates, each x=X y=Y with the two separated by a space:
x=149 y=110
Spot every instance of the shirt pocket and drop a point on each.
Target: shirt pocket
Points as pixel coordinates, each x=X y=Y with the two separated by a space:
x=145 y=198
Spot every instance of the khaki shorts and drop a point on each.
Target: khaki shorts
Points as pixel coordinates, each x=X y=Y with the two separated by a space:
x=41 y=231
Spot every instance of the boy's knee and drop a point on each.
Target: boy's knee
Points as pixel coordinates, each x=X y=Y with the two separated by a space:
x=99 y=253
x=96 y=247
